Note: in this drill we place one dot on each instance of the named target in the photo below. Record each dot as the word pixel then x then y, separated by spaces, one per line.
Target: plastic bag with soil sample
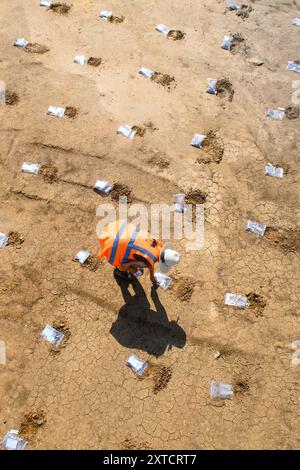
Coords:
pixel 45 3
pixel 198 140
pixel 161 28
pixel 294 66
pixel 255 227
pixel 163 281
pixel 231 5
pixel 137 365
pixel 31 168
pixel 212 83
pixel 126 131
pixel 102 187
pixel 179 205
pixel 296 22
pixel 105 14
pixel 227 41
pixel 52 335
pixel 56 111
pixel 13 442
pixel 3 239
pixel 80 59
pixel 148 73
pixel 220 390
pixel 21 43
pixel 82 256
pixel 235 300
pixel 275 113
pixel 275 171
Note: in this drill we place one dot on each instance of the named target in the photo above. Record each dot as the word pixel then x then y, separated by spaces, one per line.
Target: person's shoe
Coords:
pixel 124 275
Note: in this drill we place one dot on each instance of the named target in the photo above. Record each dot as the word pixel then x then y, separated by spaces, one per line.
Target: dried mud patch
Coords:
pixel 291 112
pixel 49 173
pixel 11 98
pixel 35 48
pixel 176 34
pixel 71 112
pixel 15 239
pixel 163 79
pixel 116 19
pixel 120 189
pixel 256 304
pixel 286 240
pixel 30 424
pixel 224 88
pixel 133 444
pixel 60 8
pixel 94 61
pixel 213 147
pixel 61 325
pixel 183 288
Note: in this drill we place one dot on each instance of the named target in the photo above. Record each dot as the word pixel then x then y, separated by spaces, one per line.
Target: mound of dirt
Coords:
pixel 241 386
pixel 31 423
pixel 175 34
pixel 213 146
pixel 161 377
pixel 238 45
pixel 15 239
pixel 291 112
pixel 61 8
pixel 184 288
pixel 94 61
pixel 140 131
pixel 286 240
pixel 195 196
pixel 224 87
pixel 35 48
pixel 150 126
pixel 120 189
pixel 132 444
pixel 156 160
pixel 11 98
pixel 116 19
pixel 71 112
pixel 256 304
pixel 244 11
pixel 92 263
pixel 163 79
pixel 49 173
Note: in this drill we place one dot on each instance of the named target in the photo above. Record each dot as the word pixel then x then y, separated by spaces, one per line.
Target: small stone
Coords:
pixel 255 61
pixel 217 355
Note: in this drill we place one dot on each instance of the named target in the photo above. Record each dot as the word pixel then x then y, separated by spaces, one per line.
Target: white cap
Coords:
pixel 168 258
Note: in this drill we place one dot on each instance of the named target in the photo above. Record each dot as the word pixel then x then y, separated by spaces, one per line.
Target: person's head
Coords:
pixel 168 259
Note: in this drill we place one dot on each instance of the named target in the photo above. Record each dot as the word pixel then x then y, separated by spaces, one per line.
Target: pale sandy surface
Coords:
pixel 90 399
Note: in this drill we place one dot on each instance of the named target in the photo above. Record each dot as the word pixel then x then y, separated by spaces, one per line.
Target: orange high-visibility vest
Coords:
pixel 120 241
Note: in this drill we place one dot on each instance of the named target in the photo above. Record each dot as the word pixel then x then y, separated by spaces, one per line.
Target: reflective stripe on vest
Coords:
pixel 116 243
pixel 132 246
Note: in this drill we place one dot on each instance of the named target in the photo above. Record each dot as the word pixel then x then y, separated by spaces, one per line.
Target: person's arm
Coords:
pixel 152 278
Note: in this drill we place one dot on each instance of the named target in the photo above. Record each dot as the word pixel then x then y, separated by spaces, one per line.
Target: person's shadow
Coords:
pixel 139 327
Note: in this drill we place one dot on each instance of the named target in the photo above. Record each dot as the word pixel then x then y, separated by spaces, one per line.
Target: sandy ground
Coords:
pixel 84 396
